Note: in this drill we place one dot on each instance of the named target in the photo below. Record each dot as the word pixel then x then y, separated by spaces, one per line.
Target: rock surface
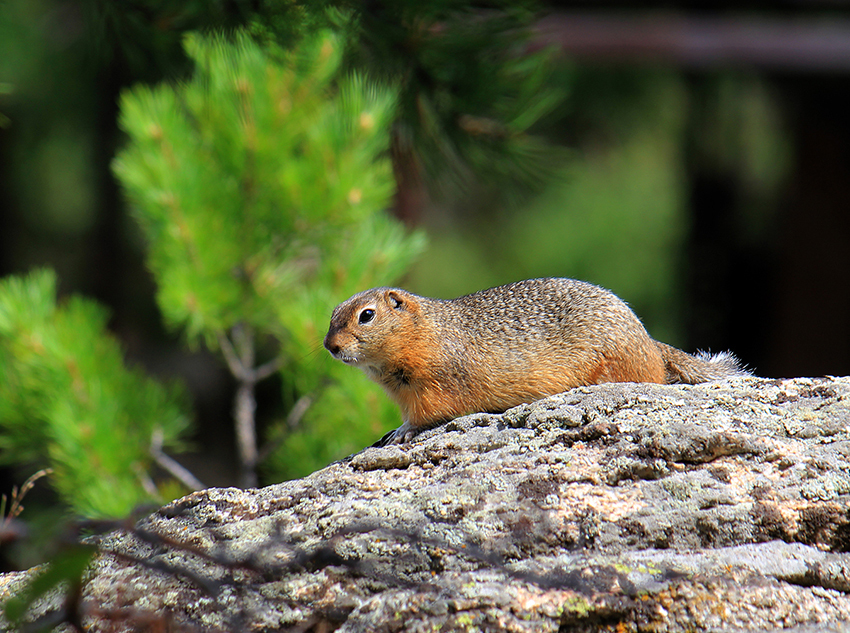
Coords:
pixel 621 507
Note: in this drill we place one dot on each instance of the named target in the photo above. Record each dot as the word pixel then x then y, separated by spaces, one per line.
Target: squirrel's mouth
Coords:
pixel 346 358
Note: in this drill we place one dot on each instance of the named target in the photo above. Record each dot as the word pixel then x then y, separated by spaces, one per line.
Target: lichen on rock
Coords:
pixel 619 507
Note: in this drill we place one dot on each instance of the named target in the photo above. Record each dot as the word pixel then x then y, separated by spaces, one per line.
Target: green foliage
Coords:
pixel 472 89
pixel 67 400
pixel 4 89
pixel 261 186
pixel 286 22
pixel 249 181
pixel 616 218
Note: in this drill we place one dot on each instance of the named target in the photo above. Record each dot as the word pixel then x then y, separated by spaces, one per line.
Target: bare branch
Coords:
pixel 293 419
pixel 233 363
pixel 170 465
pixel 264 371
pixel 18 495
pixel 146 481
pixel 246 434
pixel 298 410
pixel 243 341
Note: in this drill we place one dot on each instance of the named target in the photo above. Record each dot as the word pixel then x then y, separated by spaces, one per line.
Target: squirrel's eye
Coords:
pixel 366 315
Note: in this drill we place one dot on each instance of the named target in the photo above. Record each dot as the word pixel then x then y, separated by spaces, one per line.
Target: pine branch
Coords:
pixel 262 185
pixel 240 357
pixel 264 371
pixel 170 465
pixel 234 364
pixel 246 434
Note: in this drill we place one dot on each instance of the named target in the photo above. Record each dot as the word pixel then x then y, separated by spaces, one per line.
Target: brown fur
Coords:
pixel 501 347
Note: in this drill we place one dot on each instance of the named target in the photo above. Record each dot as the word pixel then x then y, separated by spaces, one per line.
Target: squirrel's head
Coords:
pixel 363 328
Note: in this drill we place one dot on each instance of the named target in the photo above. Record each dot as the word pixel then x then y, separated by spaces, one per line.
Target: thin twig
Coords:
pixel 147 482
pixel 18 495
pixel 170 465
pixel 245 406
pixel 237 366
pixel 246 434
pixel 293 419
pixel 231 358
pixel 240 355
pixel 243 341
pixel 264 371
pixel 296 413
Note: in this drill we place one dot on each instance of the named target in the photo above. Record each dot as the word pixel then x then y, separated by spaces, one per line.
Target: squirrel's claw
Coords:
pixel 401 435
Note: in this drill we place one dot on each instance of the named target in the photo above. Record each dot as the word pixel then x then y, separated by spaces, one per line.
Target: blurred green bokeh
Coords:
pixel 618 214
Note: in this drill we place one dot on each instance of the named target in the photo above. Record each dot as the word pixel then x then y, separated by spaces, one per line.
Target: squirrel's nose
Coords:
pixel 332 347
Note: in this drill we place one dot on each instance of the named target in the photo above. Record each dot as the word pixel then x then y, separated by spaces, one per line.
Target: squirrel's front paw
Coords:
pixel 402 434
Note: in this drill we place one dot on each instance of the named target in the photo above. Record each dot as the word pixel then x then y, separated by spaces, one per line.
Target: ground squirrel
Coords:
pixel 501 347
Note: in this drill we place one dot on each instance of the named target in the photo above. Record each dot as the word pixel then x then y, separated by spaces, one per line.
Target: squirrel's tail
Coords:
pixel 682 367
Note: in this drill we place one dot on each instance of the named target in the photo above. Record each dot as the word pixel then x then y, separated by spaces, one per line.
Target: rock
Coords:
pixel 620 507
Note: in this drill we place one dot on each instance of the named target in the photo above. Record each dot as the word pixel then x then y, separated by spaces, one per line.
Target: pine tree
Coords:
pixel 472 87
pixel 261 185
pixel 68 401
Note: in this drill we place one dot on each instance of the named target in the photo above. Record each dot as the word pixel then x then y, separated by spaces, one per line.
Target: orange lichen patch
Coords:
pixel 550 602
pixel 584 460
pixel 611 504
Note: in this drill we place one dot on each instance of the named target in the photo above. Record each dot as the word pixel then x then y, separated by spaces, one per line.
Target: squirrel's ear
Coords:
pixel 395 299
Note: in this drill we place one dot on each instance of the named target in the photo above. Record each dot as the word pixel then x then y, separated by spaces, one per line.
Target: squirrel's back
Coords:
pixel 497 348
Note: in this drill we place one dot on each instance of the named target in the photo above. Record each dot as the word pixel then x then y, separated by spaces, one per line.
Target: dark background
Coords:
pixel 761 270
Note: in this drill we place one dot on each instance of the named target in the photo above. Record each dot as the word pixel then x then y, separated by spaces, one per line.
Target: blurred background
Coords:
pixel 697 163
